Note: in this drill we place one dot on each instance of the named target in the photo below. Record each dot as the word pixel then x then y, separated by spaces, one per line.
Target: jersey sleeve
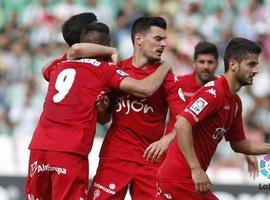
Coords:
pixel 203 104
pixel 175 98
pixel 52 67
pixel 112 75
pixel 236 133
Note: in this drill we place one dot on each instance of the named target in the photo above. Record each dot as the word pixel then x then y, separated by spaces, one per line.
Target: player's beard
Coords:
pixel 244 80
pixel 205 78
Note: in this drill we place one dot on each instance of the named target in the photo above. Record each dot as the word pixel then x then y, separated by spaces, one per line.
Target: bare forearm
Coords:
pixel 89 50
pixel 147 86
pixel 185 142
pixel 251 147
pixel 170 136
pixel 153 82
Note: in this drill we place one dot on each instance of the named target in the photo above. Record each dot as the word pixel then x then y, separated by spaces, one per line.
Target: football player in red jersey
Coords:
pixel 213 112
pixel 137 122
pixel 205 65
pixel 58 165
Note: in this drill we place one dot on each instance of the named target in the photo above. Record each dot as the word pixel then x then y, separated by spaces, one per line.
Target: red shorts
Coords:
pixel 56 175
pixel 183 191
pixel 114 176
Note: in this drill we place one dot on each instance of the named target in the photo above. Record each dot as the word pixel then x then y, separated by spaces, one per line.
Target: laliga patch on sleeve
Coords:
pixel 122 73
pixel 198 106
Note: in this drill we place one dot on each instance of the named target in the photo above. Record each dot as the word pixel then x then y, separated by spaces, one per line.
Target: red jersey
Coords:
pixel 138 122
pixel 68 120
pixel 52 66
pixel 189 86
pixel 213 113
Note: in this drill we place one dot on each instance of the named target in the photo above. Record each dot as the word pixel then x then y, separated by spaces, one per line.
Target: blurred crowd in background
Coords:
pixel 30 36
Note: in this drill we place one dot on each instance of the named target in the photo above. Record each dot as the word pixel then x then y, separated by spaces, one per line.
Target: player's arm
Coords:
pixel 155 150
pixel 176 102
pixel 250 147
pixel 185 141
pixel 147 86
pixel 92 50
pixel 102 103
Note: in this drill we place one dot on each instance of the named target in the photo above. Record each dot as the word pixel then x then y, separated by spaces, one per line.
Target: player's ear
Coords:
pixel 233 65
pixel 138 38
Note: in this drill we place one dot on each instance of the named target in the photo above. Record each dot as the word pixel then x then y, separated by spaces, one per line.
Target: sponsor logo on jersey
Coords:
pixel 38 168
pixel 109 190
pixel 198 106
pixel 121 72
pixel 212 91
pixel 209 84
pixel 181 94
pixel 219 132
pixel 124 103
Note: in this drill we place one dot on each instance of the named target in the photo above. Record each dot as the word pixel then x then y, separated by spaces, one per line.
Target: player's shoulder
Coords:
pixel 186 77
pixel 171 77
pixel 125 63
pixel 214 88
pixel 187 80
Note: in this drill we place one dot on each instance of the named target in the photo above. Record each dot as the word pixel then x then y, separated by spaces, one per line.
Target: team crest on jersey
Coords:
pixel 219 133
pixel 198 106
pixel 121 72
pixel 181 94
pixel 209 84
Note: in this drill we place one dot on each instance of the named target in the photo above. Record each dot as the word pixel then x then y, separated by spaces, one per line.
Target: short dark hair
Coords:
pixel 205 47
pixel 71 29
pixel 143 24
pixel 97 33
pixel 238 48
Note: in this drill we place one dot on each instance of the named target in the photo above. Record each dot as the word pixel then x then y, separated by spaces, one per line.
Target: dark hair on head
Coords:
pixel 238 48
pixel 97 33
pixel 143 24
pixel 72 28
pixel 205 47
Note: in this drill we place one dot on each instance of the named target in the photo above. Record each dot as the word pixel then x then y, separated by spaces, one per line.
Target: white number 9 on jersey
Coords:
pixel 63 84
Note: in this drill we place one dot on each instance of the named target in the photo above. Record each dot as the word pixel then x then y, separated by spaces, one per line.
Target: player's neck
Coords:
pixel 198 80
pixel 233 84
pixel 139 61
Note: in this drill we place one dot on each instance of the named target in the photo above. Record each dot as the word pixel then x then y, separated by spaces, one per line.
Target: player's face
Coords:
pixel 205 66
pixel 248 68
pixel 153 43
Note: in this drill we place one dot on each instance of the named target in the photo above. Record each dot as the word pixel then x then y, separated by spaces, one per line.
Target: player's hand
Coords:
pixel 253 168
pixel 201 181
pixel 155 150
pixel 115 56
pixel 102 102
